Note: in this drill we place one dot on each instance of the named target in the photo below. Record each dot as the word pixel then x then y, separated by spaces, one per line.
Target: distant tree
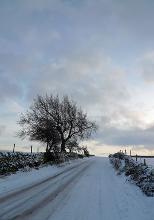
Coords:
pixel 72 145
pixel 83 150
pixel 57 121
pixel 86 152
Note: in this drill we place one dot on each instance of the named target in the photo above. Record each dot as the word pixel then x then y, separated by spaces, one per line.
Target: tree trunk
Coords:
pixel 63 146
pixel 47 147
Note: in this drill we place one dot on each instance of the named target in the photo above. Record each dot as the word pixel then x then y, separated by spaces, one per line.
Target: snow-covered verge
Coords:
pixel 139 173
pixel 21 179
pixel 19 161
pixel 13 162
pixel 88 191
pixel 149 161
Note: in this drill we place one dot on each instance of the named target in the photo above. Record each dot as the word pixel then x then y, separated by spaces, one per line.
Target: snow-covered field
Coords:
pixel 83 190
pixel 149 161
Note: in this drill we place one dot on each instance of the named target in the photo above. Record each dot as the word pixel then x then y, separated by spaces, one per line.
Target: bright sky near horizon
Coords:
pixel 100 52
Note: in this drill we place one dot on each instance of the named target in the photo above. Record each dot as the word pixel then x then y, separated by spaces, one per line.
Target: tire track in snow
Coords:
pixel 21 200
pixel 16 209
pixel 24 189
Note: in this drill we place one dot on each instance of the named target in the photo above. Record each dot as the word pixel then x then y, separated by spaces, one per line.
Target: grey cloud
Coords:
pixel 90 77
pixel 2 129
pixel 9 88
pixel 69 47
pixel 146 66
pixel 126 137
pixel 118 24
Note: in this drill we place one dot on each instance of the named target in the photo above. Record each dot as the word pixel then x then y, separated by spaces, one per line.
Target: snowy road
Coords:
pixel 86 191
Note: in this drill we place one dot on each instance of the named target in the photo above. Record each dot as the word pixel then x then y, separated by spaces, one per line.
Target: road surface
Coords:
pixel 89 190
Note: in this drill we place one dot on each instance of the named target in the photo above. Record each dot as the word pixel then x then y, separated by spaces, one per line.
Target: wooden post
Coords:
pixel 130 153
pixel 136 157
pixel 144 162
pixel 125 151
pixel 31 148
pixel 13 148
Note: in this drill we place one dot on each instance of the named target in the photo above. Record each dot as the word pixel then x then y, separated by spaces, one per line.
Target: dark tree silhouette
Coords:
pixel 53 120
pixel 37 125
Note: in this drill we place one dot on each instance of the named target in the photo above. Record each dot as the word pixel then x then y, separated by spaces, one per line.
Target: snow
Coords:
pixel 149 161
pixel 89 191
pixel 103 195
pixel 22 179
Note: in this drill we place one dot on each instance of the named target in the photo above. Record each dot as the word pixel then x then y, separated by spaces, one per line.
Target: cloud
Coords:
pixel 84 49
pixel 88 75
pixel 146 66
pixel 2 129
pixel 113 136
pixel 9 88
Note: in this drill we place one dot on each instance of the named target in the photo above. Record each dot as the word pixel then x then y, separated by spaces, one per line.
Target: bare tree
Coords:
pixel 62 120
pixel 37 125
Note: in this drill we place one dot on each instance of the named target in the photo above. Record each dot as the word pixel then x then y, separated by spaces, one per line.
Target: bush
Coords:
pixel 55 157
pixel 12 162
pixel 138 172
pixel 119 155
pixel 48 157
pixel 80 156
pixel 148 189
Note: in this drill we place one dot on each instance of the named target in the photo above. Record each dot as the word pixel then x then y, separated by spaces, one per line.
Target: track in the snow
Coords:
pixel 24 203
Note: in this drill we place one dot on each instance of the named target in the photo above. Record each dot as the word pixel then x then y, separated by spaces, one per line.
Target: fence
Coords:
pixel 15 148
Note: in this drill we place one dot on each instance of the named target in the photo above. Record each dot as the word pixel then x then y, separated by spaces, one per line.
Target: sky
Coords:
pixel 100 53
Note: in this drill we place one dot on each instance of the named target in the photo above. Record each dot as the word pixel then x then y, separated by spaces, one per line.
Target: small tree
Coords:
pixel 62 121
pixel 72 145
pixel 86 152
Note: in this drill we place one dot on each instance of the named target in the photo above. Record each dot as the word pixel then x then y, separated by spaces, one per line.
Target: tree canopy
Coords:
pixel 55 121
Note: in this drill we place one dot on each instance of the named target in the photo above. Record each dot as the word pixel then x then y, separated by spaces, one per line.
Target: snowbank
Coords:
pixel 139 173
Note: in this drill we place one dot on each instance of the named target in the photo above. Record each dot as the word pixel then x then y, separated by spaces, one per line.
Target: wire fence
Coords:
pixel 18 148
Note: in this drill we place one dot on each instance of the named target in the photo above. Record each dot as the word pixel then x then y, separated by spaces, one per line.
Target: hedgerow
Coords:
pixel 139 173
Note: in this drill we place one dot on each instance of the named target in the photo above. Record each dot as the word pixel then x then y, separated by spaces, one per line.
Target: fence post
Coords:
pixel 130 153
pixel 125 151
pixel 13 148
pixel 31 148
pixel 144 162
pixel 136 157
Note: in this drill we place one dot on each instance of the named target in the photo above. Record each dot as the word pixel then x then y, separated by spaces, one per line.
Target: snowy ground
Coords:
pixel 87 190
pixel 22 179
pixel 149 161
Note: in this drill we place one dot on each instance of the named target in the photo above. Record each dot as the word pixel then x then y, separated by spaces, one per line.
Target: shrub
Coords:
pixel 12 162
pixel 138 172
pixel 119 155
